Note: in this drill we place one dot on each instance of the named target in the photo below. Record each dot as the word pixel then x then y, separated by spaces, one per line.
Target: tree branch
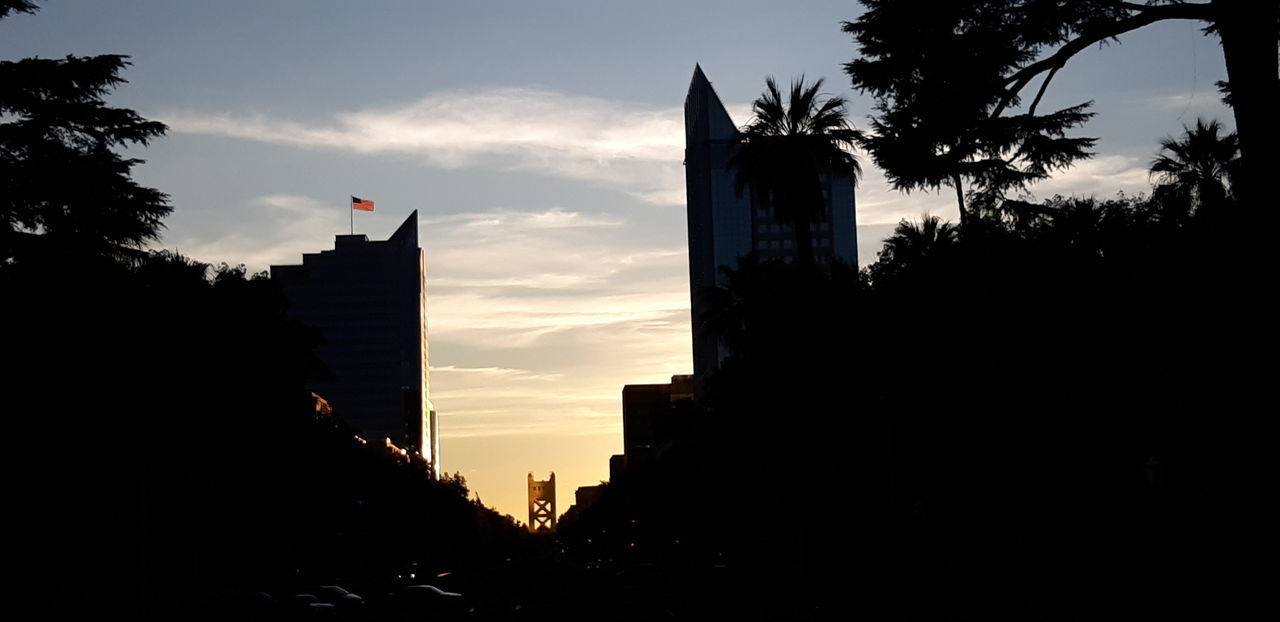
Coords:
pixel 956 181
pixel 1043 86
pixel 1133 6
pixel 1146 15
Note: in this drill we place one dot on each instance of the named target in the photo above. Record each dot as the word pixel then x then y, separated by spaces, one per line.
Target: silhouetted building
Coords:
pixel 724 226
pixel 587 496
pixel 651 417
pixel 369 299
pixel 542 504
pixel 617 467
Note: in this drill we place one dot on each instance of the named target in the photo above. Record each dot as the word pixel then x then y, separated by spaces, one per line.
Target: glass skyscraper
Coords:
pixel 724 226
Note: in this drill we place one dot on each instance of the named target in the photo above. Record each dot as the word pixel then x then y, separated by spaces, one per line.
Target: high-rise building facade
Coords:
pixel 369 299
pixel 651 416
pixel 724 226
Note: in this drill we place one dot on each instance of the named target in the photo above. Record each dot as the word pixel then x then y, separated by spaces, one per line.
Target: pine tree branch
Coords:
pixel 1146 15
pixel 1043 87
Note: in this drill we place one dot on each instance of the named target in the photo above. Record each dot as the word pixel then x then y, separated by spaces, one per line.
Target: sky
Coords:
pixel 541 143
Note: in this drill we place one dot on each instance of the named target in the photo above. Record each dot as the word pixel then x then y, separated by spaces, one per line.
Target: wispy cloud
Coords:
pixel 506 372
pixel 508 279
pixel 554 218
pixel 1186 104
pixel 285 227
pixel 1100 176
pixel 537 318
pixel 631 146
pixel 1103 175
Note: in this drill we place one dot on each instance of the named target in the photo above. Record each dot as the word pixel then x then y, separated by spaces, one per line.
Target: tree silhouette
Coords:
pixel 785 148
pixel 753 303
pixel 1199 166
pixel 934 76
pixel 65 189
pixel 914 247
pixel 911 241
pixel 944 75
pixel 16 6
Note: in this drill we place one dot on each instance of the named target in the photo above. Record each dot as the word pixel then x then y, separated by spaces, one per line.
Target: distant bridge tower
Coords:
pixel 542 504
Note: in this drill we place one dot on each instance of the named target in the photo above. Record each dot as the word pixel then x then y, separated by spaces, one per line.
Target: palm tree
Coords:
pixel 785 148
pixel 913 242
pixel 1199 165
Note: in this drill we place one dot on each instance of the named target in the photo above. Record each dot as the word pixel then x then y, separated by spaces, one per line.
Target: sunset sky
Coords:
pixel 541 143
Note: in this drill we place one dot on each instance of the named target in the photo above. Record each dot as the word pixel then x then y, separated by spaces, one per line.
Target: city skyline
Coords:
pixel 549 181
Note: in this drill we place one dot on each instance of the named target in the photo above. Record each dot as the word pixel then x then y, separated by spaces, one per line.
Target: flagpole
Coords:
pixel 351 208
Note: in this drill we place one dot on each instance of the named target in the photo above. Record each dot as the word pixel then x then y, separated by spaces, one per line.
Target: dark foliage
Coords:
pixel 1197 169
pixel 170 453
pixel 161 449
pixel 938 75
pixel 945 75
pixel 16 6
pixel 787 146
pixel 61 178
pixel 1044 418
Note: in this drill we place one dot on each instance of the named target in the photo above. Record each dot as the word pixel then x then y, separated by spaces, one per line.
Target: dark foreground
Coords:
pixel 551 588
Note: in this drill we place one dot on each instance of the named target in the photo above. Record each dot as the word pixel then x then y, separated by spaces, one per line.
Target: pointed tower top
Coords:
pixel 704 113
pixel 407 232
pixel 699 80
